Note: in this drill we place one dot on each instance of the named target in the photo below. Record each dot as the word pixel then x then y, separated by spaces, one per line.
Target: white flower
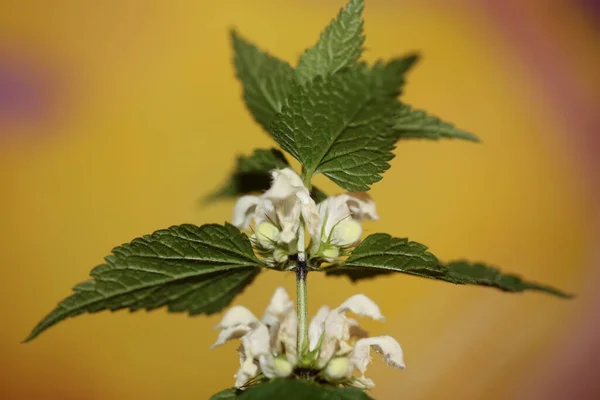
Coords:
pixel 338 355
pixel 268 346
pixel 337 345
pixel 276 214
pixel 339 225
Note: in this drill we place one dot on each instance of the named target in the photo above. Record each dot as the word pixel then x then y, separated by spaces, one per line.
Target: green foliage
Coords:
pixel 390 76
pixel 252 173
pixel 289 389
pixel 341 126
pixel 381 254
pixel 340 45
pixel 266 79
pixel 186 268
pixel 417 124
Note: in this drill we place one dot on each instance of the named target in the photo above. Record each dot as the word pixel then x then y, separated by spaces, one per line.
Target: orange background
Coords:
pixel 144 117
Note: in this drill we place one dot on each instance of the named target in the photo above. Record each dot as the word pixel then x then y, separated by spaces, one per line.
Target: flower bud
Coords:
pixel 280 255
pixel 338 368
pixel 267 235
pixel 346 233
pixel 283 368
pixel 331 254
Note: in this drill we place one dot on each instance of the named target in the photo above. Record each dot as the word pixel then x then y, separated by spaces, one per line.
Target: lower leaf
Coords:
pixel 292 389
pixel 185 268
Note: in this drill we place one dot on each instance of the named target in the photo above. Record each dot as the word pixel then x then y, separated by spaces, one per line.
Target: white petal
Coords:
pixel 275 367
pixel 336 330
pixel 256 342
pixel 316 327
pixel 279 306
pixel 285 183
pixel 361 305
pixel 346 233
pixel 363 383
pixel 387 346
pixel 362 206
pixel 237 315
pixel 287 337
pixel 233 332
pixel 247 371
pixel 243 211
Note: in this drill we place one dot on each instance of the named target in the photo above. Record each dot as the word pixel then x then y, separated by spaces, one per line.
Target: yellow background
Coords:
pixel 150 118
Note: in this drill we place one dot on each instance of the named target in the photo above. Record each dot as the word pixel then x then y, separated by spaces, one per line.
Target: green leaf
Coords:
pixel 298 389
pixel 252 173
pixel 341 127
pixel 417 124
pixel 186 268
pixel 266 79
pixel 340 45
pixel 390 76
pixel 227 394
pixel 381 254
pixel 464 272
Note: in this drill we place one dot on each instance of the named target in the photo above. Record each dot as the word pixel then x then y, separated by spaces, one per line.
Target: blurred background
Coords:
pixel 117 116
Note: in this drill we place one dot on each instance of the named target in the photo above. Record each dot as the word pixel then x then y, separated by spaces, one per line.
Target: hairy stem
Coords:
pixel 302 292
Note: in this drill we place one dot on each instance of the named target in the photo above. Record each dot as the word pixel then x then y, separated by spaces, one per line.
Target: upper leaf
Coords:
pixel 252 173
pixel 417 124
pixel 185 267
pixel 292 389
pixel 266 79
pixel 382 254
pixel 340 45
pixel 390 76
pixel 341 126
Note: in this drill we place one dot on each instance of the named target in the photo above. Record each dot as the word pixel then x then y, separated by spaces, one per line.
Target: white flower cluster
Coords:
pixel 276 215
pixel 337 345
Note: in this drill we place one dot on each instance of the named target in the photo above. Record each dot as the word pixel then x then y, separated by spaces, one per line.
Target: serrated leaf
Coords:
pixel 188 268
pixel 341 127
pixel 298 389
pixel 252 173
pixel 390 76
pixel 381 254
pixel 266 80
pixel 340 45
pixel 418 124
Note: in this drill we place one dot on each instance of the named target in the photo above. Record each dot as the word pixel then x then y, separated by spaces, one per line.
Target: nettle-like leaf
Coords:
pixel 292 389
pixel 341 126
pixel 418 124
pixel 389 76
pixel 186 268
pixel 253 174
pixel 266 79
pixel 381 254
pixel 340 45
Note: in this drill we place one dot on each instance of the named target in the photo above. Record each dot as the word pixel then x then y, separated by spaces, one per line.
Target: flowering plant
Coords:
pixel 339 117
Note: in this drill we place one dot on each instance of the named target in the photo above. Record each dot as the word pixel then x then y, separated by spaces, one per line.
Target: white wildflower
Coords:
pixel 276 214
pixel 339 226
pixel 337 346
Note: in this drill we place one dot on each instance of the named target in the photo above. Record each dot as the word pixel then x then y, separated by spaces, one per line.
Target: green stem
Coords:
pixel 302 292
